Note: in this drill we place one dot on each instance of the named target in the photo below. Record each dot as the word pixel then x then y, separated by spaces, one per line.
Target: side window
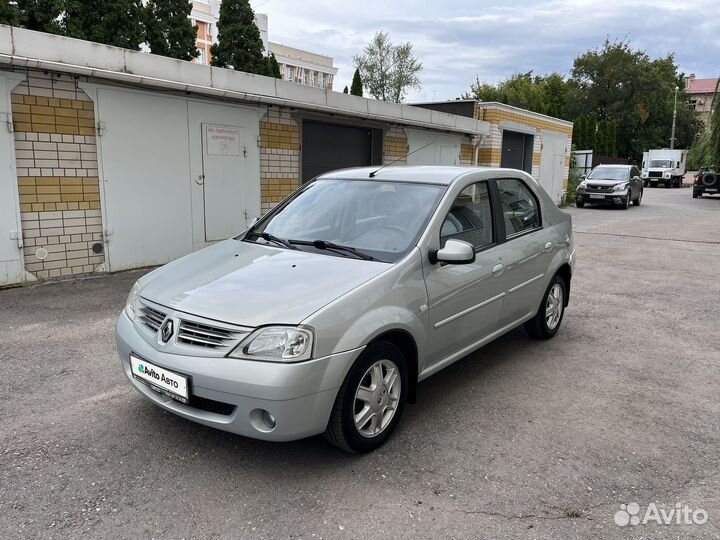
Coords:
pixel 520 208
pixel 470 218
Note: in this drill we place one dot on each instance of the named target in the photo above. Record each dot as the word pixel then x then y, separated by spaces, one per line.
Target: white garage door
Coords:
pixel 552 164
pixel 144 151
pixel 433 148
pixel 11 266
pixel 178 174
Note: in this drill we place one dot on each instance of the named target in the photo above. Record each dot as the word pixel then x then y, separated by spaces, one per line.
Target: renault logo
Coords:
pixel 166 330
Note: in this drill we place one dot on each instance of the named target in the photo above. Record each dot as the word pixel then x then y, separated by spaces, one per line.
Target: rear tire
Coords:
pixel 369 391
pixel 695 195
pixel 548 318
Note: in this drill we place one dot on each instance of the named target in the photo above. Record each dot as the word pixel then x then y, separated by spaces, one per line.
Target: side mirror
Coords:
pixel 583 176
pixel 636 178
pixel 455 252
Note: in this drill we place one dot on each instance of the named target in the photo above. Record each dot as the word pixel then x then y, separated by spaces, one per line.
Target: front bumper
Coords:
pixel 299 396
pixel 616 198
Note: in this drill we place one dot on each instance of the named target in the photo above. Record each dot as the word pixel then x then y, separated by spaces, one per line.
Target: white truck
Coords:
pixel 666 167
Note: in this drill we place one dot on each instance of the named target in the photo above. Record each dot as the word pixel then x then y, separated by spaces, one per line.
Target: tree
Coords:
pixel 345 90
pixel 624 85
pixel 112 22
pixel 356 88
pixel 169 31
pixel 543 94
pixel 9 13
pixel 239 44
pixel 273 68
pixel 388 71
pixel 40 15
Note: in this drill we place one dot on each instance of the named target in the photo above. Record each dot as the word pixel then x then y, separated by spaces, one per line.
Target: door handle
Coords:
pixel 200 180
pixel 497 269
pixel 548 246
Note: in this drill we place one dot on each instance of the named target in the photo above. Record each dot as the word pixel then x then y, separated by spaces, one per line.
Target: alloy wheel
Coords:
pixel 554 307
pixel 376 398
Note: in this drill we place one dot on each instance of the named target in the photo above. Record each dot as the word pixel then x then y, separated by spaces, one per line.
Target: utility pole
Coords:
pixel 672 135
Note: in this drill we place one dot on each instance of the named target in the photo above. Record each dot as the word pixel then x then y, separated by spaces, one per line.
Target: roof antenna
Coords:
pixel 372 174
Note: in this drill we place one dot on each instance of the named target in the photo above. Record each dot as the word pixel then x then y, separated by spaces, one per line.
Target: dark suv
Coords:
pixel 617 185
pixel 706 181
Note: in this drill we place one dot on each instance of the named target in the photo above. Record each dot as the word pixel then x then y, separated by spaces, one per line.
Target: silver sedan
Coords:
pixel 324 315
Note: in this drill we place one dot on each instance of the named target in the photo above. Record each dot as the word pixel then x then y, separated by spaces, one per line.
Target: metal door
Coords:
pixel 143 150
pixel 552 164
pixel 517 150
pixel 224 179
pixel 326 147
pixel 11 264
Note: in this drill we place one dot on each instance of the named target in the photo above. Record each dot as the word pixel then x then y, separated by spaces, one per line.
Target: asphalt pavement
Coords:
pixel 522 439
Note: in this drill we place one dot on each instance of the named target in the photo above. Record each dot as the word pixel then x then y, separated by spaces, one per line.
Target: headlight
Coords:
pixel 276 344
pixel 644 175
pixel 582 185
pixel 131 301
pixel 667 175
pixel 620 187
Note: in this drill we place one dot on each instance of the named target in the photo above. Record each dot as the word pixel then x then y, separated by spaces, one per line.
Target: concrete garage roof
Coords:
pixel 29 49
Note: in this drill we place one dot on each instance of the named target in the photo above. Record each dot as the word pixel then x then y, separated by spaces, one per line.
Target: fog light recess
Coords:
pixel 262 420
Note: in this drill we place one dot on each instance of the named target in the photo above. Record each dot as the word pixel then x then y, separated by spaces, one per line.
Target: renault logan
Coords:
pixel 324 315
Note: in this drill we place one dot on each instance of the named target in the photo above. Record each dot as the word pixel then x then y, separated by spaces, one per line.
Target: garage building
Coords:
pixel 115 159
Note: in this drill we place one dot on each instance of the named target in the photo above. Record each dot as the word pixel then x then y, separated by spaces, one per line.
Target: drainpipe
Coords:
pixel 477 141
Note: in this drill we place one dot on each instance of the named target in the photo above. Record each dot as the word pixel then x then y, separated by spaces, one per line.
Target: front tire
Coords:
pixel 580 203
pixel 370 401
pixel 548 318
pixel 637 201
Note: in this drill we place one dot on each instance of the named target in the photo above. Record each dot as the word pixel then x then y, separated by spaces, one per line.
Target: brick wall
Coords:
pixel 395 146
pixel 56 161
pixel 279 157
pixel 491 150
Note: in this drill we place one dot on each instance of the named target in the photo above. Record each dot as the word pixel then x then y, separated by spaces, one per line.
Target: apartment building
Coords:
pixel 701 93
pixel 296 65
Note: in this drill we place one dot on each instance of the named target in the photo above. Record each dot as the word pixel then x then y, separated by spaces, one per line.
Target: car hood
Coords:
pixel 602 182
pixel 251 284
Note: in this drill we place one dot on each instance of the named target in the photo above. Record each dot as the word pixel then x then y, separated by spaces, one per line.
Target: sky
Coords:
pixel 459 40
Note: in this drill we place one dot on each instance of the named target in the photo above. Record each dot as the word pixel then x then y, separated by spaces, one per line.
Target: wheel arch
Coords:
pixel 565 272
pixel 406 343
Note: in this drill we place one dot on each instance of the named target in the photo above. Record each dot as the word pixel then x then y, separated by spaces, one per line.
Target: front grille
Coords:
pixel 203 335
pixel 152 318
pixel 655 174
pixel 599 187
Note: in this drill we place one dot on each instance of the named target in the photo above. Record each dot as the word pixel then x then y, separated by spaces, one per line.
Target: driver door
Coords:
pixel 465 300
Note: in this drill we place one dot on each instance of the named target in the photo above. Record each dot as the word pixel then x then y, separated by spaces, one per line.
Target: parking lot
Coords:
pixel 522 439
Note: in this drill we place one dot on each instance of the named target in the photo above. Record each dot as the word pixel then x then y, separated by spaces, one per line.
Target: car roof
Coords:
pixel 422 174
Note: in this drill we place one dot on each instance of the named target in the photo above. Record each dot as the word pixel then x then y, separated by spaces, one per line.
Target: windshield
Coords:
pixel 378 219
pixel 661 163
pixel 609 173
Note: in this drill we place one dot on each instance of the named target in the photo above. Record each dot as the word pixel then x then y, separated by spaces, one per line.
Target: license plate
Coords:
pixel 710 189
pixel 597 196
pixel 160 379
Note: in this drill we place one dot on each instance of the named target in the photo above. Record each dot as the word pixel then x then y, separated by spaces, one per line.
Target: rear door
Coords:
pixel 526 253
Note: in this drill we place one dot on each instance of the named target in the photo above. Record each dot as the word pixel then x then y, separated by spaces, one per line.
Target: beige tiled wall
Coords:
pixel 56 161
pixel 279 157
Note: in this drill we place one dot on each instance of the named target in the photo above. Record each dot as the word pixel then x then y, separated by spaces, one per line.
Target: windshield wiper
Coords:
pixel 330 246
pixel 272 238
